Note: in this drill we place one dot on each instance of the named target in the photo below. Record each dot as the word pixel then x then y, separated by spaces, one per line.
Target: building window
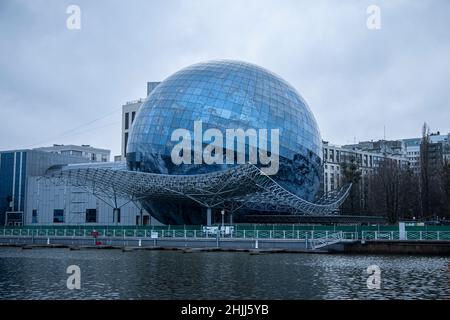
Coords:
pixel 58 216
pixel 126 141
pixel 116 215
pixel 133 114
pixel 91 215
pixel 127 119
pixel 34 216
pixel 93 157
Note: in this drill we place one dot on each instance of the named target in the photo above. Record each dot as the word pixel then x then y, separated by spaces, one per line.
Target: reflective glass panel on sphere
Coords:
pixel 224 95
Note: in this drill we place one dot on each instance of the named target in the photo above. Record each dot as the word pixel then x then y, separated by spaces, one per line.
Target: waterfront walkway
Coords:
pixel 247 237
pixel 298 232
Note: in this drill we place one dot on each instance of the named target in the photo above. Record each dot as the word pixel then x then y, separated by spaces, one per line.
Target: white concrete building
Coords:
pixel 334 156
pixel 129 111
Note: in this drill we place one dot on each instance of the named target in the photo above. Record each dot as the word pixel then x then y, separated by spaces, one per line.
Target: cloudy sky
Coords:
pixel 67 86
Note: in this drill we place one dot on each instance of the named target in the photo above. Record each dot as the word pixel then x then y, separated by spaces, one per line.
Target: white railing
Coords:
pixel 330 238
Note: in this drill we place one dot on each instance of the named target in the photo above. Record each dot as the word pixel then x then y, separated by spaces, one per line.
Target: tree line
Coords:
pixel 398 191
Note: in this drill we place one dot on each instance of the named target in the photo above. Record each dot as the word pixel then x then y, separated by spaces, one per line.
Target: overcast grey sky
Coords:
pixel 55 82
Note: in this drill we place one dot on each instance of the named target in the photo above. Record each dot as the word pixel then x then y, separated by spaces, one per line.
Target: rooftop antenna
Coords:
pixel 384 132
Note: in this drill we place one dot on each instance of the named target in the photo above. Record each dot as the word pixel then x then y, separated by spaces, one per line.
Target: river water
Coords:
pixel 113 274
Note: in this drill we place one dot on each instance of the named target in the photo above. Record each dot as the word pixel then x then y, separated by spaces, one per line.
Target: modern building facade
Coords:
pixel 27 196
pixel 52 203
pixel 16 167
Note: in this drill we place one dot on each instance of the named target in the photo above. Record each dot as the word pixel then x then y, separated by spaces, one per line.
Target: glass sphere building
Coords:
pixel 224 95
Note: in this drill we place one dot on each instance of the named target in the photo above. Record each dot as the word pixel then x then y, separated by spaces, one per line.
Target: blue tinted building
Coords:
pixel 12 183
pixel 224 95
pixel 16 167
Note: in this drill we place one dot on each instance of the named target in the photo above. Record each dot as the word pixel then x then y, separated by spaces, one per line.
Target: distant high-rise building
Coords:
pixel 412 147
pixel 151 86
pixel 439 149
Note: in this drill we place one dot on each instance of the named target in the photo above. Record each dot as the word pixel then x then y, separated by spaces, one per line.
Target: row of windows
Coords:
pixel 58 216
pixel 127 119
pixel 364 160
pixel 91 217
pixel 127 126
pixel 89 155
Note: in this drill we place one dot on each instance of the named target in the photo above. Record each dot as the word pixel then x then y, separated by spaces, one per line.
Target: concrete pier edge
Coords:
pixel 261 246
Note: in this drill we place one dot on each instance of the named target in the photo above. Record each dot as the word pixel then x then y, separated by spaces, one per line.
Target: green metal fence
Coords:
pixel 294 233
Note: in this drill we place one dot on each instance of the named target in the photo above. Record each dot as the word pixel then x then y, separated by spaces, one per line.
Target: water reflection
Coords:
pixel 112 274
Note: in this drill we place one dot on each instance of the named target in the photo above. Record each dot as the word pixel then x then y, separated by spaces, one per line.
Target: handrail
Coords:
pixel 310 235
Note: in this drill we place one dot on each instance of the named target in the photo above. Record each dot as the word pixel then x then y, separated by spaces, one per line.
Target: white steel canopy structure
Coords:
pixel 240 187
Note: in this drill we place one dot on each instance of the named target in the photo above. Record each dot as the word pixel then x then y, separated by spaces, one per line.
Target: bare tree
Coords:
pixel 424 185
pixel 352 174
pixel 446 186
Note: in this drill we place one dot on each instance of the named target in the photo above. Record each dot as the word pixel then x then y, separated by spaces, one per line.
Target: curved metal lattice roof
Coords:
pixel 244 186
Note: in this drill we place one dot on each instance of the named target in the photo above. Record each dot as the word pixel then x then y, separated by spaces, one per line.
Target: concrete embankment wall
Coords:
pixel 428 247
